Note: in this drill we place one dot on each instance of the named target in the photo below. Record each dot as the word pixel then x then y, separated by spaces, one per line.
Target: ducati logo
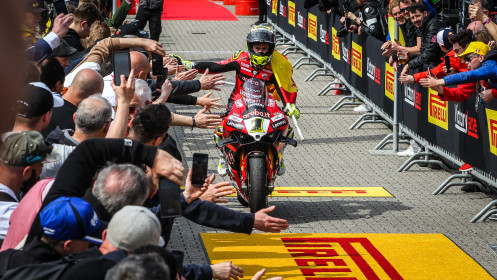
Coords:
pixel 264 76
pixel 255 72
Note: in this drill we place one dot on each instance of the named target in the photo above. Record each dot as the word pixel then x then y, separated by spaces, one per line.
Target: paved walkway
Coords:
pixel 331 156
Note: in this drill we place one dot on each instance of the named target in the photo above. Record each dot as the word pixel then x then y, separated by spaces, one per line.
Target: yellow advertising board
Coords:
pixel 389 81
pixel 335 44
pixel 274 6
pixel 492 129
pixel 291 13
pixel 438 110
pixel 312 31
pixel 356 59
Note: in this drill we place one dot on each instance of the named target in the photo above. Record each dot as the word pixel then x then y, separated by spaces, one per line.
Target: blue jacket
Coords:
pixel 487 71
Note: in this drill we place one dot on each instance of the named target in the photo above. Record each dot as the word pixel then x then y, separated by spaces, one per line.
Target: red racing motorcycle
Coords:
pixel 255 134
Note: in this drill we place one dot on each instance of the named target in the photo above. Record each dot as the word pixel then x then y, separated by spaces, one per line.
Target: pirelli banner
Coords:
pixel 465 130
pixel 355 57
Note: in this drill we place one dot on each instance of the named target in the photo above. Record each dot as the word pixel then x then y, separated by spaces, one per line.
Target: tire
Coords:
pixel 257 183
pixel 241 200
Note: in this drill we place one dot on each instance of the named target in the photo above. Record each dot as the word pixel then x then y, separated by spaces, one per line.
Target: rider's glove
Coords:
pixel 292 110
pixel 188 64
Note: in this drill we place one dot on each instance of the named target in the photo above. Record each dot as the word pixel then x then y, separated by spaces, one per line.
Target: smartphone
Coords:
pixel 199 169
pixel 157 65
pixel 429 72
pixel 348 23
pixel 60 7
pixel 122 66
pixel 447 63
pixel 170 199
pixel 178 256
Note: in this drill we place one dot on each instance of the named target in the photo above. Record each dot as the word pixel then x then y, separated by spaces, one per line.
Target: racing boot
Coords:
pixel 281 170
pixel 222 167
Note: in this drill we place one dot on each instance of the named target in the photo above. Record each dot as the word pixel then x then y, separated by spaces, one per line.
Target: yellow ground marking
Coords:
pixel 326 256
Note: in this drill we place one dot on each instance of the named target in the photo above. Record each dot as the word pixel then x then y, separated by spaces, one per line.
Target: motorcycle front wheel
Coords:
pixel 257 183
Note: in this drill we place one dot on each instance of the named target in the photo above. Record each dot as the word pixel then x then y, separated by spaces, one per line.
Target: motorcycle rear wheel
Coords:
pixel 257 183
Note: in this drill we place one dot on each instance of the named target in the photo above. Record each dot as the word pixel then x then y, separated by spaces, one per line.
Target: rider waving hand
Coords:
pixel 262 62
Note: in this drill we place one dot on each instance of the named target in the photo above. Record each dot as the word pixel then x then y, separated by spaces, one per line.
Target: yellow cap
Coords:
pixel 475 47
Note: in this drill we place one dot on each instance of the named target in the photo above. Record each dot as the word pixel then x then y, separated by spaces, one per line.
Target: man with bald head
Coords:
pixel 140 66
pixel 86 83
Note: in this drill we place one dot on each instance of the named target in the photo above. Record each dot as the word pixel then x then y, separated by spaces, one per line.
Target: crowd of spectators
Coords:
pixel 81 157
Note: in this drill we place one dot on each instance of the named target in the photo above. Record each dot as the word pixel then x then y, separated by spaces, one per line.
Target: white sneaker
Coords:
pixel 222 167
pixel 407 153
pixel 363 108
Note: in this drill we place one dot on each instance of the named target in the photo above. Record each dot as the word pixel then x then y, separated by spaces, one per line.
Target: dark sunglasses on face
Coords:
pixel 469 57
pixel 403 11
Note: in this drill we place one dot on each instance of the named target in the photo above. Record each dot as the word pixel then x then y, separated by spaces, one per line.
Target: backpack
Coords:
pixel 42 271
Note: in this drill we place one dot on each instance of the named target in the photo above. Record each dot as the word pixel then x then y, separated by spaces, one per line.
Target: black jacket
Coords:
pixel 372 21
pixel 34 252
pixel 430 52
pixel 411 33
pixel 72 38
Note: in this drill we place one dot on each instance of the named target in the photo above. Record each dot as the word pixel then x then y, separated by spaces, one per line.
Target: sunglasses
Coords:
pixel 469 57
pixel 404 10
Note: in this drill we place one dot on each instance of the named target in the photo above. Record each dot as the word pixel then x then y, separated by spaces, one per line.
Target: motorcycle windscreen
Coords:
pixel 254 93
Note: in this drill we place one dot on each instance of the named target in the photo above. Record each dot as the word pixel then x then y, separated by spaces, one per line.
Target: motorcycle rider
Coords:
pixel 263 62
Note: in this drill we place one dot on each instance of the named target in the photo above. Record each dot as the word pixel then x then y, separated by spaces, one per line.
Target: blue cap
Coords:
pixel 70 218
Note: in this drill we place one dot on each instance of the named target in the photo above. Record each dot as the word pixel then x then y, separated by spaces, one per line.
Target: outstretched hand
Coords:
pixel 203 120
pixel 264 222
pixel 211 82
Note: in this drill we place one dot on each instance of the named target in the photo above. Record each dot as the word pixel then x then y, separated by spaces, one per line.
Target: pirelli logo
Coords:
pixel 291 13
pixel 274 7
pixel 339 258
pixel 312 31
pixel 492 129
pixel 356 59
pixel 438 110
pixel 335 44
pixel 389 81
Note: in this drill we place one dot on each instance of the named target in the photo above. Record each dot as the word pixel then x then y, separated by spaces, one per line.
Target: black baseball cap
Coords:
pixel 36 6
pixel 35 100
pixel 130 29
pixel 63 50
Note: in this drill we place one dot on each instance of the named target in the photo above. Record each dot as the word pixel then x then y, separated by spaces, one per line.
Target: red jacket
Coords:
pixel 463 92
pixel 438 71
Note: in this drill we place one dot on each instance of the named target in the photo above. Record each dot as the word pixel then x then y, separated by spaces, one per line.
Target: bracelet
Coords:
pixel 193 122
pixel 487 21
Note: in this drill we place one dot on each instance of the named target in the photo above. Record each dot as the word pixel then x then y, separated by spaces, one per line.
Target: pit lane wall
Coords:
pixel 462 132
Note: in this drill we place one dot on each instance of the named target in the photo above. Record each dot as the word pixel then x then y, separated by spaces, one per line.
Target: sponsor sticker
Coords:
pixel 239 103
pixel 235 118
pixel 373 72
pixel 277 117
pixel 300 20
pixel 274 7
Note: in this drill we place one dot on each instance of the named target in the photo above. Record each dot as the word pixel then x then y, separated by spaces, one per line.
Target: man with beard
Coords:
pixel 21 160
pixel 430 52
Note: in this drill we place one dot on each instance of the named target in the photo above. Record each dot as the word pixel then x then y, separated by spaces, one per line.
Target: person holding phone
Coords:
pixel 482 65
